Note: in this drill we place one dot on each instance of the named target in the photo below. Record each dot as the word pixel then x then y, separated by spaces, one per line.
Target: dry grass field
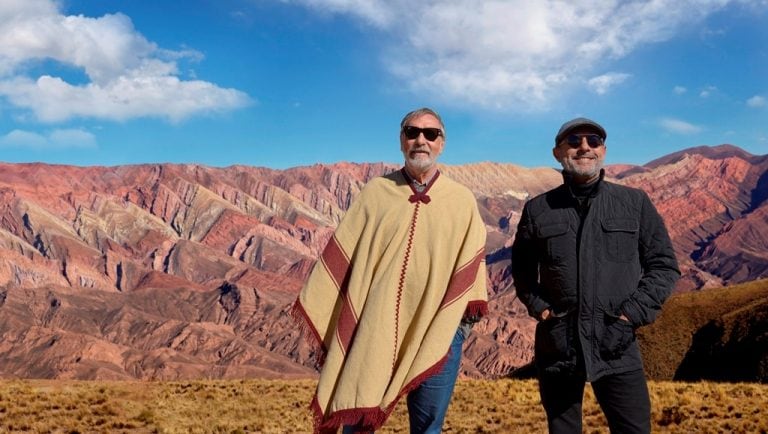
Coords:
pixel 263 406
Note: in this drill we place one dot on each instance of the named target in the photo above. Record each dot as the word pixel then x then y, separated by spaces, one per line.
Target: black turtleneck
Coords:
pixel 583 193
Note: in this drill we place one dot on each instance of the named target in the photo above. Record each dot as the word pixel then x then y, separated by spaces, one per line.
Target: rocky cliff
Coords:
pixel 186 271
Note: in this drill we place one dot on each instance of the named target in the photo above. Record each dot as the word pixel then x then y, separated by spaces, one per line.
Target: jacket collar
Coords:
pixel 593 187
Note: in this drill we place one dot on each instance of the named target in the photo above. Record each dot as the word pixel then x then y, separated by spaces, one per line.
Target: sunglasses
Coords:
pixel 593 140
pixel 430 134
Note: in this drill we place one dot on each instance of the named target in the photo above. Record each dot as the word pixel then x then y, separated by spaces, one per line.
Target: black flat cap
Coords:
pixel 579 123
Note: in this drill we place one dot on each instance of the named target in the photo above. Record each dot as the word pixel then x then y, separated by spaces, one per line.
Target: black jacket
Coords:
pixel 589 264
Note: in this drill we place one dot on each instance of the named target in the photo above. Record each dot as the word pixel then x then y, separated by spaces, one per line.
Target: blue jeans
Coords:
pixel 428 403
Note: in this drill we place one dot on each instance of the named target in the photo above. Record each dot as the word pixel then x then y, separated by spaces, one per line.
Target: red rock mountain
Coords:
pixel 186 271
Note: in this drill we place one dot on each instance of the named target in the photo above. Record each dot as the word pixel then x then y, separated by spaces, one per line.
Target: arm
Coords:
pixel 660 271
pixel 525 268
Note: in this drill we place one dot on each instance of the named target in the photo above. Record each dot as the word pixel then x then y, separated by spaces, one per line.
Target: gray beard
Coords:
pixel 420 163
pixel 584 172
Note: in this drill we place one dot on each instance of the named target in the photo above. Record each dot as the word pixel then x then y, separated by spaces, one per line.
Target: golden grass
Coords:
pixel 267 406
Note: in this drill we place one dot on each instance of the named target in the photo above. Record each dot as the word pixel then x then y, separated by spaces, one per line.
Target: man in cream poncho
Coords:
pixel 393 295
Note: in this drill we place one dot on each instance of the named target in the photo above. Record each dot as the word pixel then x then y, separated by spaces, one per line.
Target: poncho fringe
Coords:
pixel 316 345
pixel 367 419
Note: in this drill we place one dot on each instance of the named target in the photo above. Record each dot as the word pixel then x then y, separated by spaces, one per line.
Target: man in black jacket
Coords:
pixel 592 262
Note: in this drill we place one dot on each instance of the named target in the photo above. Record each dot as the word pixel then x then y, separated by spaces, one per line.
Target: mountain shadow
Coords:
pixel 733 348
pixel 718 334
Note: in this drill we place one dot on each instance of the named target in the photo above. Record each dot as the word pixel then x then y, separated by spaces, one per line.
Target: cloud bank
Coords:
pixel 602 84
pixel 757 101
pixel 678 126
pixel 67 138
pixel 517 54
pixel 128 76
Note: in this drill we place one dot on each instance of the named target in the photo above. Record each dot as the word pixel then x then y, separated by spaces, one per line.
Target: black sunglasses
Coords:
pixel 430 134
pixel 593 140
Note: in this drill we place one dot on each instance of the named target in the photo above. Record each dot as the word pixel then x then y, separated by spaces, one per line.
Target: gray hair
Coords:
pixel 420 112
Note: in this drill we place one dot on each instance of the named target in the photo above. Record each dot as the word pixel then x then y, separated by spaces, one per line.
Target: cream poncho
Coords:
pixel 387 295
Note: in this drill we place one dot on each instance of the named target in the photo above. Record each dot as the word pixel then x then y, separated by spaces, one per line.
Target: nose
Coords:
pixel 584 145
pixel 420 139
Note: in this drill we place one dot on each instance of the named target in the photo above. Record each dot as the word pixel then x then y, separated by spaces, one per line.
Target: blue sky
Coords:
pixel 284 83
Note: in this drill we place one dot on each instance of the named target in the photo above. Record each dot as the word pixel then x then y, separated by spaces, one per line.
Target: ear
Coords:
pixel 556 153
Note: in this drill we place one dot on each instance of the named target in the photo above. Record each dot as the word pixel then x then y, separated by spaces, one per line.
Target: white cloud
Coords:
pixel 129 76
pixel 54 100
pixel 679 90
pixel 54 139
pixel 707 91
pixel 603 83
pixel 679 127
pixel 380 13
pixel 515 53
pixel 757 101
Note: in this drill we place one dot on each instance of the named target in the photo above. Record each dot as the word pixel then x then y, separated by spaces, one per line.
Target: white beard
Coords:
pixel 574 169
pixel 420 163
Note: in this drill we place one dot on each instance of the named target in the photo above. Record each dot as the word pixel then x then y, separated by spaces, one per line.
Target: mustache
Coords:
pixel 424 149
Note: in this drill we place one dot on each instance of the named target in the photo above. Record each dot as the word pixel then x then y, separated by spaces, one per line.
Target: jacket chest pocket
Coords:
pixel 620 239
pixel 555 239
